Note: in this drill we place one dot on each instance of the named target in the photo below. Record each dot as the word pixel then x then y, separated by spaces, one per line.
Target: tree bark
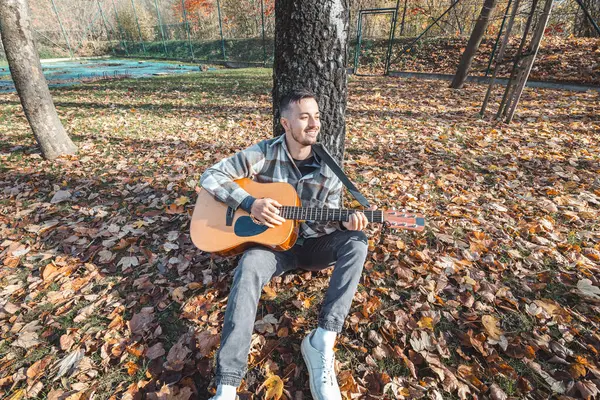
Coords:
pixel 26 71
pixel 473 44
pixel 310 53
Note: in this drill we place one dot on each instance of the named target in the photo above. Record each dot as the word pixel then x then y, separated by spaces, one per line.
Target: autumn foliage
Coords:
pixel 103 294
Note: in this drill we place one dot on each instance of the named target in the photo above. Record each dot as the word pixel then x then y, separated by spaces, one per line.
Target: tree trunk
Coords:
pixel 469 54
pixel 26 71
pixel 310 53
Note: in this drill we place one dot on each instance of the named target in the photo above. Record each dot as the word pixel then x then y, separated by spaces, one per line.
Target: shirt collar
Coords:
pixel 324 168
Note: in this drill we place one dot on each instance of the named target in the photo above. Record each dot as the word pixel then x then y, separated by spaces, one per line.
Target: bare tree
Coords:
pixel 26 70
pixel 473 44
pixel 310 52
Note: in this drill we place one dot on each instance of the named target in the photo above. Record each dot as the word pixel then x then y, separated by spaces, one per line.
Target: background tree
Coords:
pixel 26 71
pixel 473 44
pixel 310 52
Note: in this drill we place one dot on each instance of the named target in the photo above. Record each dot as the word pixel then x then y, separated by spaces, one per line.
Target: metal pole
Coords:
pixel 589 17
pixel 504 103
pixel 358 41
pixel 500 57
pixel 62 28
pixel 460 28
pixel 221 31
pixel 138 26
pixel 187 28
pixel 50 40
pixel 262 17
pixel 403 17
pixel 487 71
pixel 105 24
pixel 389 51
pixel 120 29
pixel 85 32
pixel 162 32
pixel 535 46
pixel 429 27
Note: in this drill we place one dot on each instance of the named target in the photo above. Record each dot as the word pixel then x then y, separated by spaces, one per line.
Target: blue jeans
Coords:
pixel 347 249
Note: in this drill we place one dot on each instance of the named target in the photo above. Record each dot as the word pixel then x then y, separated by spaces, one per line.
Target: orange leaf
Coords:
pixel 174 209
pixel 282 332
pixel 577 370
pixel 269 294
pixel 132 368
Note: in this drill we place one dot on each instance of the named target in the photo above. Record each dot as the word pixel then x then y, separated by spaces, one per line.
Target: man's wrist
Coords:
pixel 247 203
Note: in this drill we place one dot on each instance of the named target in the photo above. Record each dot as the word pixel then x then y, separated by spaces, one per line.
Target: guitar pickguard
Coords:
pixel 245 227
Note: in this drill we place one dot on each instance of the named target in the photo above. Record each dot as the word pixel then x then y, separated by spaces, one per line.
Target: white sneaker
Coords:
pixel 323 382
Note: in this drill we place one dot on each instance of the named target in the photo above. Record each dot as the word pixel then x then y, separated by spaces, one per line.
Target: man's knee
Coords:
pixel 356 243
pixel 256 265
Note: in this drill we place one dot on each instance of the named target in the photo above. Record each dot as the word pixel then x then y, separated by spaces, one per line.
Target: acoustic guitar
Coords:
pixel 217 228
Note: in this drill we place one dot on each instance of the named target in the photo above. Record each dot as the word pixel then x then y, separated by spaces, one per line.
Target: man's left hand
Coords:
pixel 358 221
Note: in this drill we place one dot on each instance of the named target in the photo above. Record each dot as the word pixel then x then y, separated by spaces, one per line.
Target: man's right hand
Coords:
pixel 266 211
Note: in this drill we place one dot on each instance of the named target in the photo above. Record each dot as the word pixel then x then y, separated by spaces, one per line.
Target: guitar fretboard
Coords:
pixel 327 214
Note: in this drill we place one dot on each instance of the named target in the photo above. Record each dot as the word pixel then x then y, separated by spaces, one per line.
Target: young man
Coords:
pixel 288 158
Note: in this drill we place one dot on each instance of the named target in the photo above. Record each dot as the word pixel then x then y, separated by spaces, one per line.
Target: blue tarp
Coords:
pixel 68 73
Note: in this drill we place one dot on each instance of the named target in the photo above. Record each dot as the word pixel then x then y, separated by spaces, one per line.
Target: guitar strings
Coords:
pixel 319 214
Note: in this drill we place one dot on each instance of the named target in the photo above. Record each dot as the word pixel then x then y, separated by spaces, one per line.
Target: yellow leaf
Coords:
pixel 426 323
pixel 274 386
pixel 182 200
pixel 470 281
pixel 17 395
pixel 490 323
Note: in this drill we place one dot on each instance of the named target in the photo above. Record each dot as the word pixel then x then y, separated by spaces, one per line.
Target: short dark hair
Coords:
pixel 294 97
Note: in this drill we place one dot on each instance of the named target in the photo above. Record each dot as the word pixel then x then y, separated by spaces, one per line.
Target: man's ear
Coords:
pixel 285 123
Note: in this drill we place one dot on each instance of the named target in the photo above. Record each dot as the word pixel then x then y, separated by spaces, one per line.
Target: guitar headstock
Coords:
pixel 404 220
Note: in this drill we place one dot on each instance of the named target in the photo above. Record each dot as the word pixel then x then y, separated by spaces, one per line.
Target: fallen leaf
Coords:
pixel 586 287
pixel 60 196
pixel 490 323
pixel 155 351
pixel 274 387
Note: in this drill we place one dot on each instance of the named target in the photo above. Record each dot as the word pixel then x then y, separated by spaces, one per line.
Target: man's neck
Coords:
pixel 297 151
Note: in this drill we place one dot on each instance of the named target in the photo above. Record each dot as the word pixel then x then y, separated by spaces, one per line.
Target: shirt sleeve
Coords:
pixel 247 203
pixel 219 179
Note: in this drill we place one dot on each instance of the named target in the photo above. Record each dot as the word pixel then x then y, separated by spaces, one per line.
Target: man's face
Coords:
pixel 301 122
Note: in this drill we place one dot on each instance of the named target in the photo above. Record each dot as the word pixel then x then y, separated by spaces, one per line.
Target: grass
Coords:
pixel 172 326
pixel 392 367
pixel 516 322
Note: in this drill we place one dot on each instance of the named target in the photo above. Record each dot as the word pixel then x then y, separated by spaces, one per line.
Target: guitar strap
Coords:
pixel 327 159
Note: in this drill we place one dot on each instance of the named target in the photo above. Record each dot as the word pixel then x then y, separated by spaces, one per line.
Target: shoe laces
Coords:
pixel 328 369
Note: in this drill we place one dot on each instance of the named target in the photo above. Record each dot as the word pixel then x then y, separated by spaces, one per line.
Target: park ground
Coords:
pixel 102 292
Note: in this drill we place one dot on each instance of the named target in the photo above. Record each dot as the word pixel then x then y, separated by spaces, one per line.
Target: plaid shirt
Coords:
pixel 270 161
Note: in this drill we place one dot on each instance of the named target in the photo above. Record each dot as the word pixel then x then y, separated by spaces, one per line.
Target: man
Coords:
pixel 288 158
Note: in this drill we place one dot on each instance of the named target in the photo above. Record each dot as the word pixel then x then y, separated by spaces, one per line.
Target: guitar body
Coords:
pixel 211 233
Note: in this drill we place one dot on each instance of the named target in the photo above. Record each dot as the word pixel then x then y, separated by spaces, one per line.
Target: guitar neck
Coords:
pixel 327 214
